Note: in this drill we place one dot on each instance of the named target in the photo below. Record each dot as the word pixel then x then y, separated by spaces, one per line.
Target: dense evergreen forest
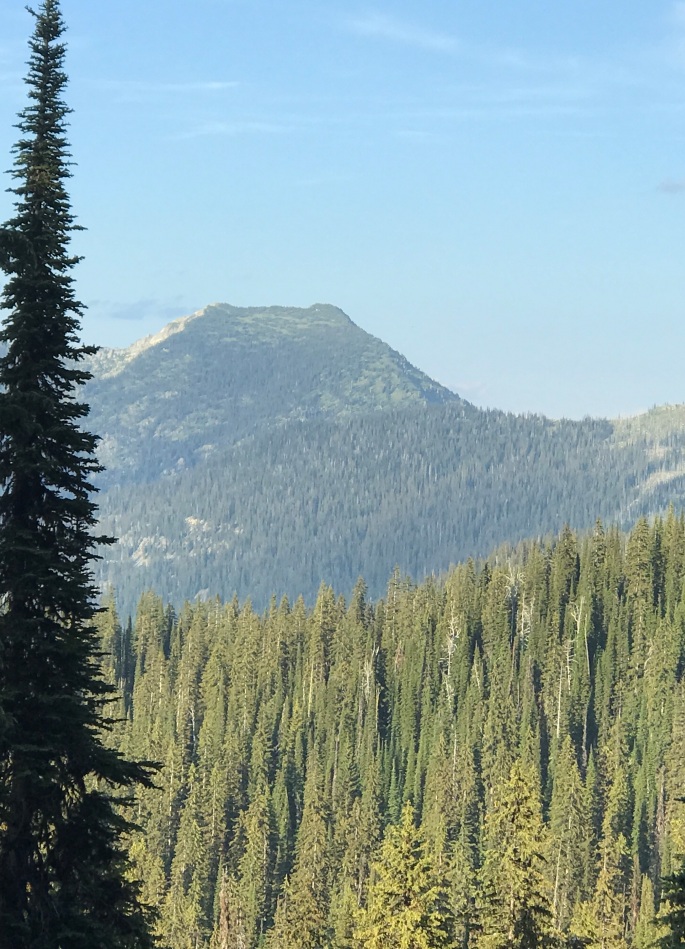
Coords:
pixel 491 760
pixel 420 487
pixel 263 450
pixel 499 753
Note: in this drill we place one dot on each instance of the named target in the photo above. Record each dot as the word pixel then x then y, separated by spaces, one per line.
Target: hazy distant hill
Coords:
pixel 264 450
pixel 208 380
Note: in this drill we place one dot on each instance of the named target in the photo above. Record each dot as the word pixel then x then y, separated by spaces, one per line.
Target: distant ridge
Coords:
pixel 263 450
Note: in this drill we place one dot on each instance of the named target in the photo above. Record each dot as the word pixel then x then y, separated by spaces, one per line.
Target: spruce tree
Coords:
pixel 302 920
pixel 515 897
pixel 408 905
pixel 63 874
pixel 673 910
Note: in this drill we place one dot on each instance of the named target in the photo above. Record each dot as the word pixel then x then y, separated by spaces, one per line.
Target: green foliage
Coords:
pixel 515 898
pixel 64 875
pixel 673 915
pixel 304 903
pixel 532 707
pixel 263 450
pixel 407 904
pixel 214 378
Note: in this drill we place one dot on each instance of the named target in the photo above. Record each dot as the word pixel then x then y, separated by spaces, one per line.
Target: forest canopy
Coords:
pixel 532 704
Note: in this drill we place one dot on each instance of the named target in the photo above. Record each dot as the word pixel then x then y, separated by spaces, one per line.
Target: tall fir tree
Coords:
pixel 302 919
pixel 673 910
pixel 408 902
pixel 515 899
pixel 63 872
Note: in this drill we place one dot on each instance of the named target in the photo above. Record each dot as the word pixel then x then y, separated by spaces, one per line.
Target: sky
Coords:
pixel 497 190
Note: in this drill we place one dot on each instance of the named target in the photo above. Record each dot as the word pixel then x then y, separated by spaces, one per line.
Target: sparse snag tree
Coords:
pixel 63 873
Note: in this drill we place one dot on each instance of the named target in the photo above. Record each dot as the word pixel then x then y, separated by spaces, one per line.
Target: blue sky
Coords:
pixel 495 189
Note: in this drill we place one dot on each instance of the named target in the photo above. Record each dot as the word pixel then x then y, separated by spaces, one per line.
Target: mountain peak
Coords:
pixel 217 317
pixel 218 375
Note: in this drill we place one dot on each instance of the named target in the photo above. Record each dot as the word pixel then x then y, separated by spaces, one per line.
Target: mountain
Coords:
pixel 209 380
pixel 265 450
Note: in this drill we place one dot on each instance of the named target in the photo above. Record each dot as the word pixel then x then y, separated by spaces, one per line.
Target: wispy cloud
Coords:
pixel 410 33
pixel 133 89
pixel 384 27
pixel 672 186
pixel 238 127
pixel 136 311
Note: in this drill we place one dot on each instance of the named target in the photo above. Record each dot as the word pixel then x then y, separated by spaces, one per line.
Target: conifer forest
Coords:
pixel 490 758
pixel 496 759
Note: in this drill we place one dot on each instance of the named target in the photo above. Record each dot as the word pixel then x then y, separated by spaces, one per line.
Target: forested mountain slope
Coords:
pixel 531 708
pixel 267 450
pixel 208 380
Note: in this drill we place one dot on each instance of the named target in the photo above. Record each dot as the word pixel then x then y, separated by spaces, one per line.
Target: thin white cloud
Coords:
pixel 136 311
pixel 381 26
pixel 140 89
pixel 236 128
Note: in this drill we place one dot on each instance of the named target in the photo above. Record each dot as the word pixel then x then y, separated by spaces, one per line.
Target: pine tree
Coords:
pixel 515 899
pixel 673 913
pixel 407 903
pixel 307 894
pixel 598 923
pixel 568 826
pixel 256 866
pixel 648 928
pixel 230 929
pixel 63 875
